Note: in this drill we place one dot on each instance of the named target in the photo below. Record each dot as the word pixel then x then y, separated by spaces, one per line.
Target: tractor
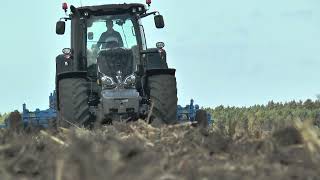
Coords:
pixel 109 74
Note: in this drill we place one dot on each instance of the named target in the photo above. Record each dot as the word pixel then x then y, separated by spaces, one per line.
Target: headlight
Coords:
pixel 130 81
pixel 108 82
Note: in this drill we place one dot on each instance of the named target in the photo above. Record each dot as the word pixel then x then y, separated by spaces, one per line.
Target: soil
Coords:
pixel 139 151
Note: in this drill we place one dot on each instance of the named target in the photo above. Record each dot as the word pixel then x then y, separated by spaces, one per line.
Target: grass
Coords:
pixel 258 120
pixel 3 117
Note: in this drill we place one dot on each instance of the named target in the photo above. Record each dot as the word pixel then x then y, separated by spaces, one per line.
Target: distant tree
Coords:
pixel 271 104
pixel 308 104
pixel 318 97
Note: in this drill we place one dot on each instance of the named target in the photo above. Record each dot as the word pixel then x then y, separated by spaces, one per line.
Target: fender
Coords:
pixel 153 72
pixel 156 59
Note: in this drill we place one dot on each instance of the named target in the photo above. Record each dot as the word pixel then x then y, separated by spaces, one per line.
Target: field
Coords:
pixel 277 141
pixel 2 118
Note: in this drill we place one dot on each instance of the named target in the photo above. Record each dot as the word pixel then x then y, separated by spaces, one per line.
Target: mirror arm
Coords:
pixel 148 14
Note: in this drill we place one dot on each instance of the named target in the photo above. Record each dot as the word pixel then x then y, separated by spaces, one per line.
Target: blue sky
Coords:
pixel 226 52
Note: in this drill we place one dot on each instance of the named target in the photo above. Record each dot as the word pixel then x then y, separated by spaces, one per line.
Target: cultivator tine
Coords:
pixel 150 113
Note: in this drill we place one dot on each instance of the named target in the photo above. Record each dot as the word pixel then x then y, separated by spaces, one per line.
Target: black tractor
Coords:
pixel 109 74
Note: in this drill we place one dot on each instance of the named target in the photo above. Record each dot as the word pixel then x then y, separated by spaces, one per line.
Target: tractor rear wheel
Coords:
pixel 73 103
pixel 163 96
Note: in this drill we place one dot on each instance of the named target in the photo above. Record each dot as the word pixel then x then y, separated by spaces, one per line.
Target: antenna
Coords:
pixel 80 3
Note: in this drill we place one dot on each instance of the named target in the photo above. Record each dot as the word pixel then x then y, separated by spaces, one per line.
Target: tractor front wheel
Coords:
pixel 163 96
pixel 73 103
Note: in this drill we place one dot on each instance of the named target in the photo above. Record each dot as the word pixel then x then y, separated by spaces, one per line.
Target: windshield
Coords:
pixel 108 32
pixel 105 29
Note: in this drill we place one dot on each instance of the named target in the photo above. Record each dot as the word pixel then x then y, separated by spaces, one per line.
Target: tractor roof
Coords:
pixel 111 8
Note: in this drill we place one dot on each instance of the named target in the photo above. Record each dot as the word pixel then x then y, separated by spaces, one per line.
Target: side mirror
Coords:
pixel 60 27
pixel 90 35
pixel 159 22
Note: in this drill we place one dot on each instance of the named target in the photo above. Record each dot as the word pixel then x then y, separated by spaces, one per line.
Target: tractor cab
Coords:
pixel 107 37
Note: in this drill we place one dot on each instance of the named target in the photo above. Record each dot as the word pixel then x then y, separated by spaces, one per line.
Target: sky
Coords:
pixel 231 52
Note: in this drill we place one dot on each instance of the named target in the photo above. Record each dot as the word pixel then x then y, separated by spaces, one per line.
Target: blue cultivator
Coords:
pixel 188 113
pixel 40 118
pixel 43 118
pixel 37 118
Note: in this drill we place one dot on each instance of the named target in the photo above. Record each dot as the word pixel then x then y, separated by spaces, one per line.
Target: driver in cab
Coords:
pixel 110 38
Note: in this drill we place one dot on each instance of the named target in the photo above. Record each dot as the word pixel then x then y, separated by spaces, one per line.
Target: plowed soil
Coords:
pixel 139 151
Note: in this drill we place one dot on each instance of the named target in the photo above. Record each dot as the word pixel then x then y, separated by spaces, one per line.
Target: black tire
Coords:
pixel 14 121
pixel 202 118
pixel 163 96
pixel 73 103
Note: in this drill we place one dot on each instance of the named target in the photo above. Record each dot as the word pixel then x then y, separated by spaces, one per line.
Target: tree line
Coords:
pixel 257 119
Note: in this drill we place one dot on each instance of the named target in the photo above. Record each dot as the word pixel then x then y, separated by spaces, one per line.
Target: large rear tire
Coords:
pixel 163 96
pixel 73 103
